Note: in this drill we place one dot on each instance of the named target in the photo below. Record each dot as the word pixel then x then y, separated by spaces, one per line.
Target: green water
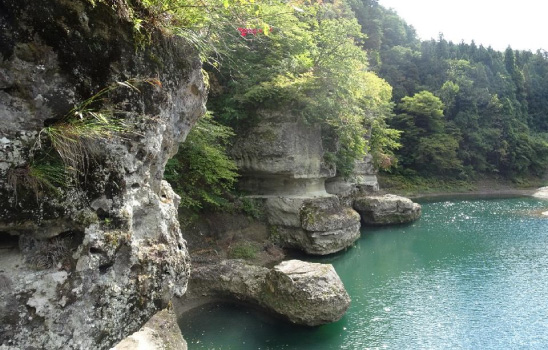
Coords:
pixel 470 274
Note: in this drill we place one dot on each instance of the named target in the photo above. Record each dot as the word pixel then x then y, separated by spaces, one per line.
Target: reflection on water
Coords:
pixel 471 274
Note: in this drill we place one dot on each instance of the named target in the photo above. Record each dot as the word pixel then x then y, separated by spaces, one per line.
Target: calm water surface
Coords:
pixel 471 274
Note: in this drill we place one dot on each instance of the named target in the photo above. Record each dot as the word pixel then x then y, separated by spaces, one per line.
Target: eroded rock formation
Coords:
pixel 317 226
pixel 281 160
pixel 304 293
pixel 83 266
pixel 362 181
pixel 161 332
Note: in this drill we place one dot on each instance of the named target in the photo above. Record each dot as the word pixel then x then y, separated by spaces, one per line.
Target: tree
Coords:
pixel 313 65
pixel 429 146
pixel 201 172
pixel 427 111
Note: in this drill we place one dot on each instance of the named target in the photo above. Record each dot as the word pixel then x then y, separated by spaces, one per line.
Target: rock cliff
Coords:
pixel 85 264
pixel 282 165
pixel 362 181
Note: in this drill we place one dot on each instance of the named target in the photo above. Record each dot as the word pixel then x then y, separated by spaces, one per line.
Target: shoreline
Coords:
pixel 417 188
pixel 482 193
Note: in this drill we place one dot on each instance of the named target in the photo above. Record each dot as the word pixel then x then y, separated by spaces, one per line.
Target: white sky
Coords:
pixel 521 24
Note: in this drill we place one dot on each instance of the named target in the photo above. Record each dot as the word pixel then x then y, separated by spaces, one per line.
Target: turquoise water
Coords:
pixel 470 274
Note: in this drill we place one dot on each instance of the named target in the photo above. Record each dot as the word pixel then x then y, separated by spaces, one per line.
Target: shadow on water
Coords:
pixel 235 326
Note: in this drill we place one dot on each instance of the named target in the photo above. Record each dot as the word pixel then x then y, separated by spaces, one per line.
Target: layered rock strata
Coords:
pixel 83 266
pixel 317 226
pixel 304 293
pixel 281 160
pixel 388 209
pixel 362 181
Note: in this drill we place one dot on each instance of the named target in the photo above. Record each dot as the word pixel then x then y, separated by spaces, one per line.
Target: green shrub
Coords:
pixel 201 172
pixel 243 250
pixel 250 208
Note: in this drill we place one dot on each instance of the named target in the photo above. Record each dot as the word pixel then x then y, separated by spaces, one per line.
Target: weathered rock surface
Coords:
pixel 318 226
pixel 83 267
pixel 282 163
pixel 161 332
pixel 282 155
pixel 363 181
pixel 387 210
pixel 304 293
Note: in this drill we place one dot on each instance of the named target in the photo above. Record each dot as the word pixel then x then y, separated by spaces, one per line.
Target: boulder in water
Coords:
pixel 387 210
pixel 305 293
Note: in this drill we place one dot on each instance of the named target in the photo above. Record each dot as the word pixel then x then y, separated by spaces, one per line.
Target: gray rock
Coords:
pixel 363 181
pixel 161 332
pixel 233 278
pixel 281 146
pixel 304 293
pixel 281 160
pixel 86 267
pixel 317 226
pixel 387 210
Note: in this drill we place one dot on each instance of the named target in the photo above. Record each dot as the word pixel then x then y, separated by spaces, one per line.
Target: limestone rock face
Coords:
pixel 161 332
pixel 281 160
pixel 231 278
pixel 318 226
pixel 83 267
pixel 362 181
pixel 304 293
pixel 387 210
pixel 282 155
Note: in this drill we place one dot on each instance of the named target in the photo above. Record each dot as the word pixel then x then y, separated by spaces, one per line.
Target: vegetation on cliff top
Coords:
pixel 462 110
pixel 302 57
pixel 310 63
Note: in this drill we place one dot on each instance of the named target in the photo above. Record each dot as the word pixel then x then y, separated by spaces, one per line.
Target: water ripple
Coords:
pixel 471 274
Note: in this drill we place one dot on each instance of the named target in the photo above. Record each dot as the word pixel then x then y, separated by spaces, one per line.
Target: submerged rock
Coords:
pixel 305 293
pixel 387 210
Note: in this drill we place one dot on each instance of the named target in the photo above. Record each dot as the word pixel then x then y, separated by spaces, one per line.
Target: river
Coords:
pixel 470 274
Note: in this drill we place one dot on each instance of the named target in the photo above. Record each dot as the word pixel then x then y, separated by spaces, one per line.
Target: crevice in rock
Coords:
pixel 93 250
pixel 8 242
pixel 105 267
